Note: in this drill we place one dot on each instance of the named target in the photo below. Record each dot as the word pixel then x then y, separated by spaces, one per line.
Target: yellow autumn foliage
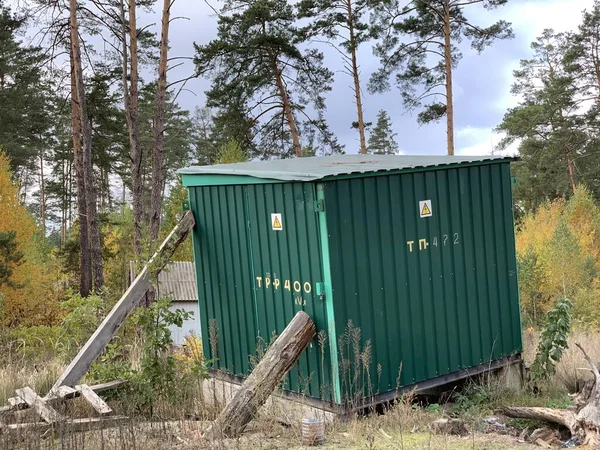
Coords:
pixel 558 250
pixel 33 301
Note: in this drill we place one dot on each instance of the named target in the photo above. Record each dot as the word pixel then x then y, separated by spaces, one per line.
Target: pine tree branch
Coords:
pixel 427 3
pixel 178 18
pixel 183 80
pixel 264 101
pixel 430 94
pixel 175 67
pixel 102 21
pixel 255 119
pixel 474 27
pixel 459 5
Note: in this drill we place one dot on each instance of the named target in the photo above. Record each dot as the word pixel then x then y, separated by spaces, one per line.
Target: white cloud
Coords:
pixel 530 18
pixel 481 141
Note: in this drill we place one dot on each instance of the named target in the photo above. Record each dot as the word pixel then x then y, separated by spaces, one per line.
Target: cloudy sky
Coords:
pixel 481 84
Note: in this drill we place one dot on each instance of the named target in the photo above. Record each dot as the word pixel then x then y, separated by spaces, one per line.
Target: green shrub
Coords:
pixel 163 377
pixel 553 341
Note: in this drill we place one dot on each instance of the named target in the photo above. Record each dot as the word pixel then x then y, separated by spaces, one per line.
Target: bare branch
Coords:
pixel 458 5
pixel 591 363
pixel 179 17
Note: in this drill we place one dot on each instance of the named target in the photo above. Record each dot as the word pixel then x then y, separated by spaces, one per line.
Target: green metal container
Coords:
pixel 406 264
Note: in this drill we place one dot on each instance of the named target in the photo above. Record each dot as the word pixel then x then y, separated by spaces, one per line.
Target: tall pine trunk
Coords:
pixel 70 193
pixel 287 108
pixel 158 151
pixel 131 96
pixel 42 195
pixel 64 206
pixel 85 262
pixel 448 69
pixel 356 79
pixel 86 151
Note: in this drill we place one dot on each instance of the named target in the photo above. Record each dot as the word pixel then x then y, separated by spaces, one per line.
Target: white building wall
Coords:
pixel 192 325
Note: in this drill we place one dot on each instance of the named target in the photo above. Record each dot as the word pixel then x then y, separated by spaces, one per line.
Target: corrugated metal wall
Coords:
pixel 434 294
pixel 224 275
pixel 253 279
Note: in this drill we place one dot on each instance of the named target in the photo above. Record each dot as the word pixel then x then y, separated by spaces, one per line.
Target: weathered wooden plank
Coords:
pixel 277 361
pixel 113 321
pixel 44 410
pixel 107 386
pixel 68 425
pixel 93 399
pixel 17 403
pixel 62 393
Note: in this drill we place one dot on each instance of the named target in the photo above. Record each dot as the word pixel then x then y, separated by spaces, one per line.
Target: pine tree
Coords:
pixel 230 153
pixel 418 43
pixel 342 21
pixel 262 71
pixel 582 57
pixel 159 128
pixel 110 142
pixel 381 139
pixel 25 97
pixel 92 272
pixel 204 143
pixel 556 148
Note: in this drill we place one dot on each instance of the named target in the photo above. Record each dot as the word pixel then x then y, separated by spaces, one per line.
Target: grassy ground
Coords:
pixel 404 426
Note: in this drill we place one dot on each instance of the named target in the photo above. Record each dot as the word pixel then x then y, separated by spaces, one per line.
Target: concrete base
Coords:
pixel 287 410
pixel 512 376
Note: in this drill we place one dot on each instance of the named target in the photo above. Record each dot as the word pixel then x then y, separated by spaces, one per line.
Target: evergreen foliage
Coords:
pixel 382 139
pixel 418 43
pixel 10 256
pixel 264 79
pixel 25 94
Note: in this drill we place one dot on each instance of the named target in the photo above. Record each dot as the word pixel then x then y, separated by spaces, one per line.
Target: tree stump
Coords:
pixel 261 383
pixel 449 426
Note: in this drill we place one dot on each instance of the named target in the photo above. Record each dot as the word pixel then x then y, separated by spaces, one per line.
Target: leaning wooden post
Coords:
pixel 107 329
pixel 255 391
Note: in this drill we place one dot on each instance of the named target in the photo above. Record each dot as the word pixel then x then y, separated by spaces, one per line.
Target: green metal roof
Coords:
pixel 322 167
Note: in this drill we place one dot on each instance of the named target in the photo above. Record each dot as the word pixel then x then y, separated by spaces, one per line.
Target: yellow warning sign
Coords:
pixel 276 222
pixel 425 209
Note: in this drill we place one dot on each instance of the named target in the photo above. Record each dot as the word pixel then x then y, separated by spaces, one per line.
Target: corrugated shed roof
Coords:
pixel 316 168
pixel 177 280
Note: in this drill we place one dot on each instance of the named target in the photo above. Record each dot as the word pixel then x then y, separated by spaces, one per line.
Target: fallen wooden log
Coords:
pixel 261 383
pixel 562 417
pixel 584 423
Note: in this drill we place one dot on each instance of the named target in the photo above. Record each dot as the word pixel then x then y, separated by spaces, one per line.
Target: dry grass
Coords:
pixel 403 426
pixel 39 378
pixel 572 368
